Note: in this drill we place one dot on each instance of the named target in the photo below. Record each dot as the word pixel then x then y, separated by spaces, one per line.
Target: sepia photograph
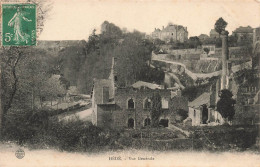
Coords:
pixel 129 83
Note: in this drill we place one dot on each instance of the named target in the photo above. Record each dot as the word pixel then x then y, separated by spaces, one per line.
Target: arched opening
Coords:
pixel 147 103
pixel 131 104
pixel 131 123
pixel 147 122
pixel 164 122
pixel 204 114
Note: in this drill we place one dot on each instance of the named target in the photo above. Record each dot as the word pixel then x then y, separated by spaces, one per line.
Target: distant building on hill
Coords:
pixel 214 34
pixel 243 33
pixel 256 35
pixel 171 32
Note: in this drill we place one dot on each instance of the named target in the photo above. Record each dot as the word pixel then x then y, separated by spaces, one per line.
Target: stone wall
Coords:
pixel 117 115
pixel 139 114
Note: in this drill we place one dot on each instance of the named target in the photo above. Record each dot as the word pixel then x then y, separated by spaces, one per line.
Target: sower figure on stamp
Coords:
pixel 16 21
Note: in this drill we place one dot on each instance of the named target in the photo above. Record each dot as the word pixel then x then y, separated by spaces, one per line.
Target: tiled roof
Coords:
pixel 202 99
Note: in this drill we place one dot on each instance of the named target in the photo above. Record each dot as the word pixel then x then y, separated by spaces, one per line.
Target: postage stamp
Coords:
pixel 18 24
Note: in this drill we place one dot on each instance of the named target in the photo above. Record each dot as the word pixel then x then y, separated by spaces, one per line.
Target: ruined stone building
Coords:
pixel 130 107
pixel 171 32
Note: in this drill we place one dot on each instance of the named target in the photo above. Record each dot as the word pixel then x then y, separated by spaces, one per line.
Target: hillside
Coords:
pixel 83 62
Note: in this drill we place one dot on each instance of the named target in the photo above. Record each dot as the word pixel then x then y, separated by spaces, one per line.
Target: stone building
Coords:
pixel 243 33
pixel 248 95
pixel 130 107
pixel 203 109
pixel 214 34
pixel 171 32
pixel 256 35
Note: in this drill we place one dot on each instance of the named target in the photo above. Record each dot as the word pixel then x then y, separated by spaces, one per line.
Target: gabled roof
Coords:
pixel 202 99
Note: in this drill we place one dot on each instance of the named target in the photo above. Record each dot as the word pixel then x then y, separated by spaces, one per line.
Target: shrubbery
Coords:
pixel 38 131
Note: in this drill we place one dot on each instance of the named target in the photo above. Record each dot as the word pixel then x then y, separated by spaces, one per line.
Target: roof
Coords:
pixel 171 27
pixel 140 84
pixel 99 84
pixel 241 29
pixel 213 31
pixel 202 99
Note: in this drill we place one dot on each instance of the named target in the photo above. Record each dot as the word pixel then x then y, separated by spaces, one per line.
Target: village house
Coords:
pixel 130 107
pixel 243 33
pixel 214 34
pixel 171 32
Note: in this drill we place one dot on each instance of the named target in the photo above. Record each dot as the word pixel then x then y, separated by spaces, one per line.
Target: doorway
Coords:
pixel 205 112
pixel 164 122
pixel 131 123
pixel 147 122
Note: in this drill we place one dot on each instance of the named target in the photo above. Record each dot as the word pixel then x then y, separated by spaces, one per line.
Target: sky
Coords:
pixel 76 19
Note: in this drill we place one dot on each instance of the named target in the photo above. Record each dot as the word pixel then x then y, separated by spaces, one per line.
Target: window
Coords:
pixel 147 103
pixel 165 103
pixel 131 104
pixel 147 122
pixel 115 78
pixel 131 123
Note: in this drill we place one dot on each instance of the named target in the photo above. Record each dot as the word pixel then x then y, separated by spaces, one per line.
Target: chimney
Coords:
pixel 105 95
pixel 224 77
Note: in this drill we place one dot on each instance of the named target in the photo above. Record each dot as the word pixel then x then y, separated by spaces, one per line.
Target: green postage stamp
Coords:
pixel 18 24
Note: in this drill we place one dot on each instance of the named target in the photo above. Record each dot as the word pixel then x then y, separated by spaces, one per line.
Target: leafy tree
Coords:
pixel 206 50
pixel 225 105
pixel 156 109
pixel 9 59
pixel 194 42
pixel 220 25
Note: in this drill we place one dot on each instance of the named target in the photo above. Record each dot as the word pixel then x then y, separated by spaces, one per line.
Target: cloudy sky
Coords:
pixel 75 19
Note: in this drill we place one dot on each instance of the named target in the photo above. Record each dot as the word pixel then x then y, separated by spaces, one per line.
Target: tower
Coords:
pixel 225 65
pixel 113 76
